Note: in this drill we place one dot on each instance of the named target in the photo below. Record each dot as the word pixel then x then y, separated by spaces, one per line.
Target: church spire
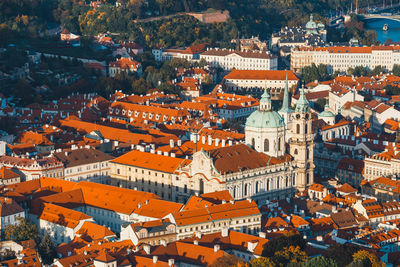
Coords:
pixel 302 104
pixel 265 101
pixel 286 104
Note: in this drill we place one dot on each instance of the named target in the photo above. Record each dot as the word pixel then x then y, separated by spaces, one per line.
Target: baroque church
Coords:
pixel 275 161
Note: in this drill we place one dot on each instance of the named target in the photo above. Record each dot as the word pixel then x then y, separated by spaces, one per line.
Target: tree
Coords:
pixel 23 230
pixel 320 104
pixel 291 254
pixel 377 70
pixel 274 245
pixel 396 69
pixel 47 250
pixel 262 262
pixel 342 254
pixel 392 89
pixel 227 260
pixel 320 261
pixel 367 259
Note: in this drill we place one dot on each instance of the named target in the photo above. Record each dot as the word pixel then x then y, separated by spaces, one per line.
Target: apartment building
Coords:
pixel 249 80
pixel 189 53
pixel 124 65
pixel 243 216
pixel 150 172
pixel 10 211
pixel 385 164
pixel 85 164
pixel 31 169
pixel 243 60
pixel 340 58
pixel 155 232
pixel 383 188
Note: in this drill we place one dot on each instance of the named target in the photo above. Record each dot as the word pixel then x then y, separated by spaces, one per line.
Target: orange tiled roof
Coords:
pixel 217 212
pixel 91 232
pixel 62 216
pixel 151 161
pixel 261 75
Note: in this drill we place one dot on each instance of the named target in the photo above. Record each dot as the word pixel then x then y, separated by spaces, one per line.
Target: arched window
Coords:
pixel 266 145
pixel 257 187
pixel 279 144
pixel 305 128
pixel 246 189
pixel 253 142
pixel 308 178
pixel 298 128
pixel 295 151
pixel 267 189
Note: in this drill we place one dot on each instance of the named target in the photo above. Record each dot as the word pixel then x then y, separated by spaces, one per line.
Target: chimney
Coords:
pixel 203 140
pixel 171 143
pixel 179 143
pixel 216 248
pixel 230 142
pixel 209 140
pixel 262 234
pixel 216 141
pixel 224 232
pixel 155 259
pixel 146 248
pixel 171 262
pixel 196 242
pixel 223 142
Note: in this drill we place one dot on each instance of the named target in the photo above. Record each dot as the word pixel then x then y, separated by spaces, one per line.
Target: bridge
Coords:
pixel 395 17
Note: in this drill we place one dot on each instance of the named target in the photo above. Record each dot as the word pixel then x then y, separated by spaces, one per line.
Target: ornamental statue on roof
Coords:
pixel 312 27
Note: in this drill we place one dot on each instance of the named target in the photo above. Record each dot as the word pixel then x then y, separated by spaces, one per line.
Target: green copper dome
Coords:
pixel 265 119
pixel 326 113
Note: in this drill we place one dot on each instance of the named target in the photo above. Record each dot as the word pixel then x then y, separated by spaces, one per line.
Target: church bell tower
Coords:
pixel 301 143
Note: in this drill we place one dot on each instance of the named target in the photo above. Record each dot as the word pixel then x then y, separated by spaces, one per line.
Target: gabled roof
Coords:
pixel 346 188
pixel 151 161
pixel 91 231
pixel 9 207
pixel 241 157
pixel 261 75
pixel 62 216
pixel 216 212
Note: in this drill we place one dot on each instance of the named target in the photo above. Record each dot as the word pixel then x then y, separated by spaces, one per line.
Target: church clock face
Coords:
pixel 298 116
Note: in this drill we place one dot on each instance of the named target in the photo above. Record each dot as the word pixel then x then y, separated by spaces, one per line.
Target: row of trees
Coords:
pixel 289 251
pixel 25 230
pixel 249 18
pixel 320 72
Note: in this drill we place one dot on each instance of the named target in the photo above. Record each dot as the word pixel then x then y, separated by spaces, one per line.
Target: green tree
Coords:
pixel 227 260
pixel 277 244
pixel 319 105
pixel 23 230
pixel 291 254
pixel 392 89
pixel 320 261
pixel 311 73
pixel 262 262
pixel 396 69
pixel 377 70
pixel 367 259
pixel 47 250
pixel 342 254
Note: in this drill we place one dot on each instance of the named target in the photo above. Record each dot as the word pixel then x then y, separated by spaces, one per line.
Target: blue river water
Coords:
pixel 377 25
